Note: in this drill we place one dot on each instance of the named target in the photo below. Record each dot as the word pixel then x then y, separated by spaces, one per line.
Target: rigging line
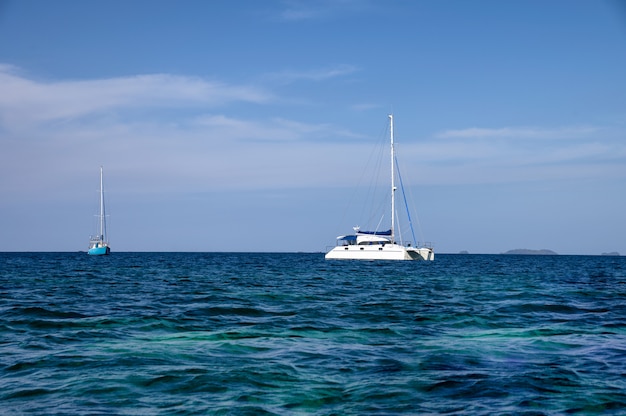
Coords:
pixel 379 222
pixel 399 230
pixel 355 198
pixel 367 195
pixel 417 218
pixel 406 205
pixel 374 203
pixel 369 208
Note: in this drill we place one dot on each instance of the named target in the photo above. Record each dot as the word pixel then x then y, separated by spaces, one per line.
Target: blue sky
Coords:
pixel 244 125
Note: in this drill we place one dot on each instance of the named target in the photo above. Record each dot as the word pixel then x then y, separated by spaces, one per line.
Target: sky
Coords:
pixel 245 125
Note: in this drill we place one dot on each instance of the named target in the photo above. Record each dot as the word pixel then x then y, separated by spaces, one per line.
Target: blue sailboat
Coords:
pixel 99 244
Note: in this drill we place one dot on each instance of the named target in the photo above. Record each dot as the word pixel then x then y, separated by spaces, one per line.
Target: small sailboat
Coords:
pixel 380 244
pixel 99 244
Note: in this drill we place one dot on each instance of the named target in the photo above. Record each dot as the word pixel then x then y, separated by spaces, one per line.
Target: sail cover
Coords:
pixel 388 232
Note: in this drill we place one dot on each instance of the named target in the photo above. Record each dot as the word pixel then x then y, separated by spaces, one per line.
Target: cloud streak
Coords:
pixel 514 154
pixel 24 101
pixel 166 133
pixel 162 132
pixel 297 10
pixel 519 133
pixel 313 75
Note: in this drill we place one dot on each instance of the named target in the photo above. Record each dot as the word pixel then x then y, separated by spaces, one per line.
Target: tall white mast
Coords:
pixel 393 186
pixel 102 230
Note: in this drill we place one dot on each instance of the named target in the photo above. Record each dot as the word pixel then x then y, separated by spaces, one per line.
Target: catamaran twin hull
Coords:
pixel 380 252
pixel 380 245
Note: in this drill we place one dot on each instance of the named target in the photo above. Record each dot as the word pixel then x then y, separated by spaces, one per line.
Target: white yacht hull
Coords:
pixel 379 252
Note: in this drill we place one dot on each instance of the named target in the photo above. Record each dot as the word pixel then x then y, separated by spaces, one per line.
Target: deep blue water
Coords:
pixel 290 334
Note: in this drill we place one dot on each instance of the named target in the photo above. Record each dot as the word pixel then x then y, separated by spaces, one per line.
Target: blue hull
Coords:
pixel 99 251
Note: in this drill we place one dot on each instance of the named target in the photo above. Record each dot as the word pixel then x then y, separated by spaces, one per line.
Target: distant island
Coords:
pixel 526 251
pixel 612 253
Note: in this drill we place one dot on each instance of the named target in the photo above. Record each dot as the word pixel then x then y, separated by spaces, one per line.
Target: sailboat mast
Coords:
pixel 393 186
pixel 102 231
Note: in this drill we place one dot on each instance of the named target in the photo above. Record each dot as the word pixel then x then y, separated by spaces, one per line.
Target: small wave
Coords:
pixel 27 393
pixel 39 312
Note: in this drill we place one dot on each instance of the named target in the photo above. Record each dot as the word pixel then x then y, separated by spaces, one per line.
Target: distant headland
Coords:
pixel 526 251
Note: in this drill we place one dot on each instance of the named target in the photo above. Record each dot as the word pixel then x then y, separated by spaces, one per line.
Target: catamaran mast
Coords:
pixel 393 186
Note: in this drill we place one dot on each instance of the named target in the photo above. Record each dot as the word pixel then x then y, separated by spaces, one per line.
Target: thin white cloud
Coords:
pixel 23 101
pixel 519 132
pixel 365 107
pixel 296 10
pixel 274 129
pixel 301 13
pixel 315 75
pixel 510 154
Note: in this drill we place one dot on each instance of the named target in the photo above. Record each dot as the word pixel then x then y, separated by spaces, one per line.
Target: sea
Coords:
pixel 294 334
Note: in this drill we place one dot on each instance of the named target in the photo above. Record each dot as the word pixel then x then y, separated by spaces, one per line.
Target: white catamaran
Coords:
pixel 379 245
pixel 99 244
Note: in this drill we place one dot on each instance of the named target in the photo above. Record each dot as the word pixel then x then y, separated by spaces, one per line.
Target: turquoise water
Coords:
pixel 291 334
